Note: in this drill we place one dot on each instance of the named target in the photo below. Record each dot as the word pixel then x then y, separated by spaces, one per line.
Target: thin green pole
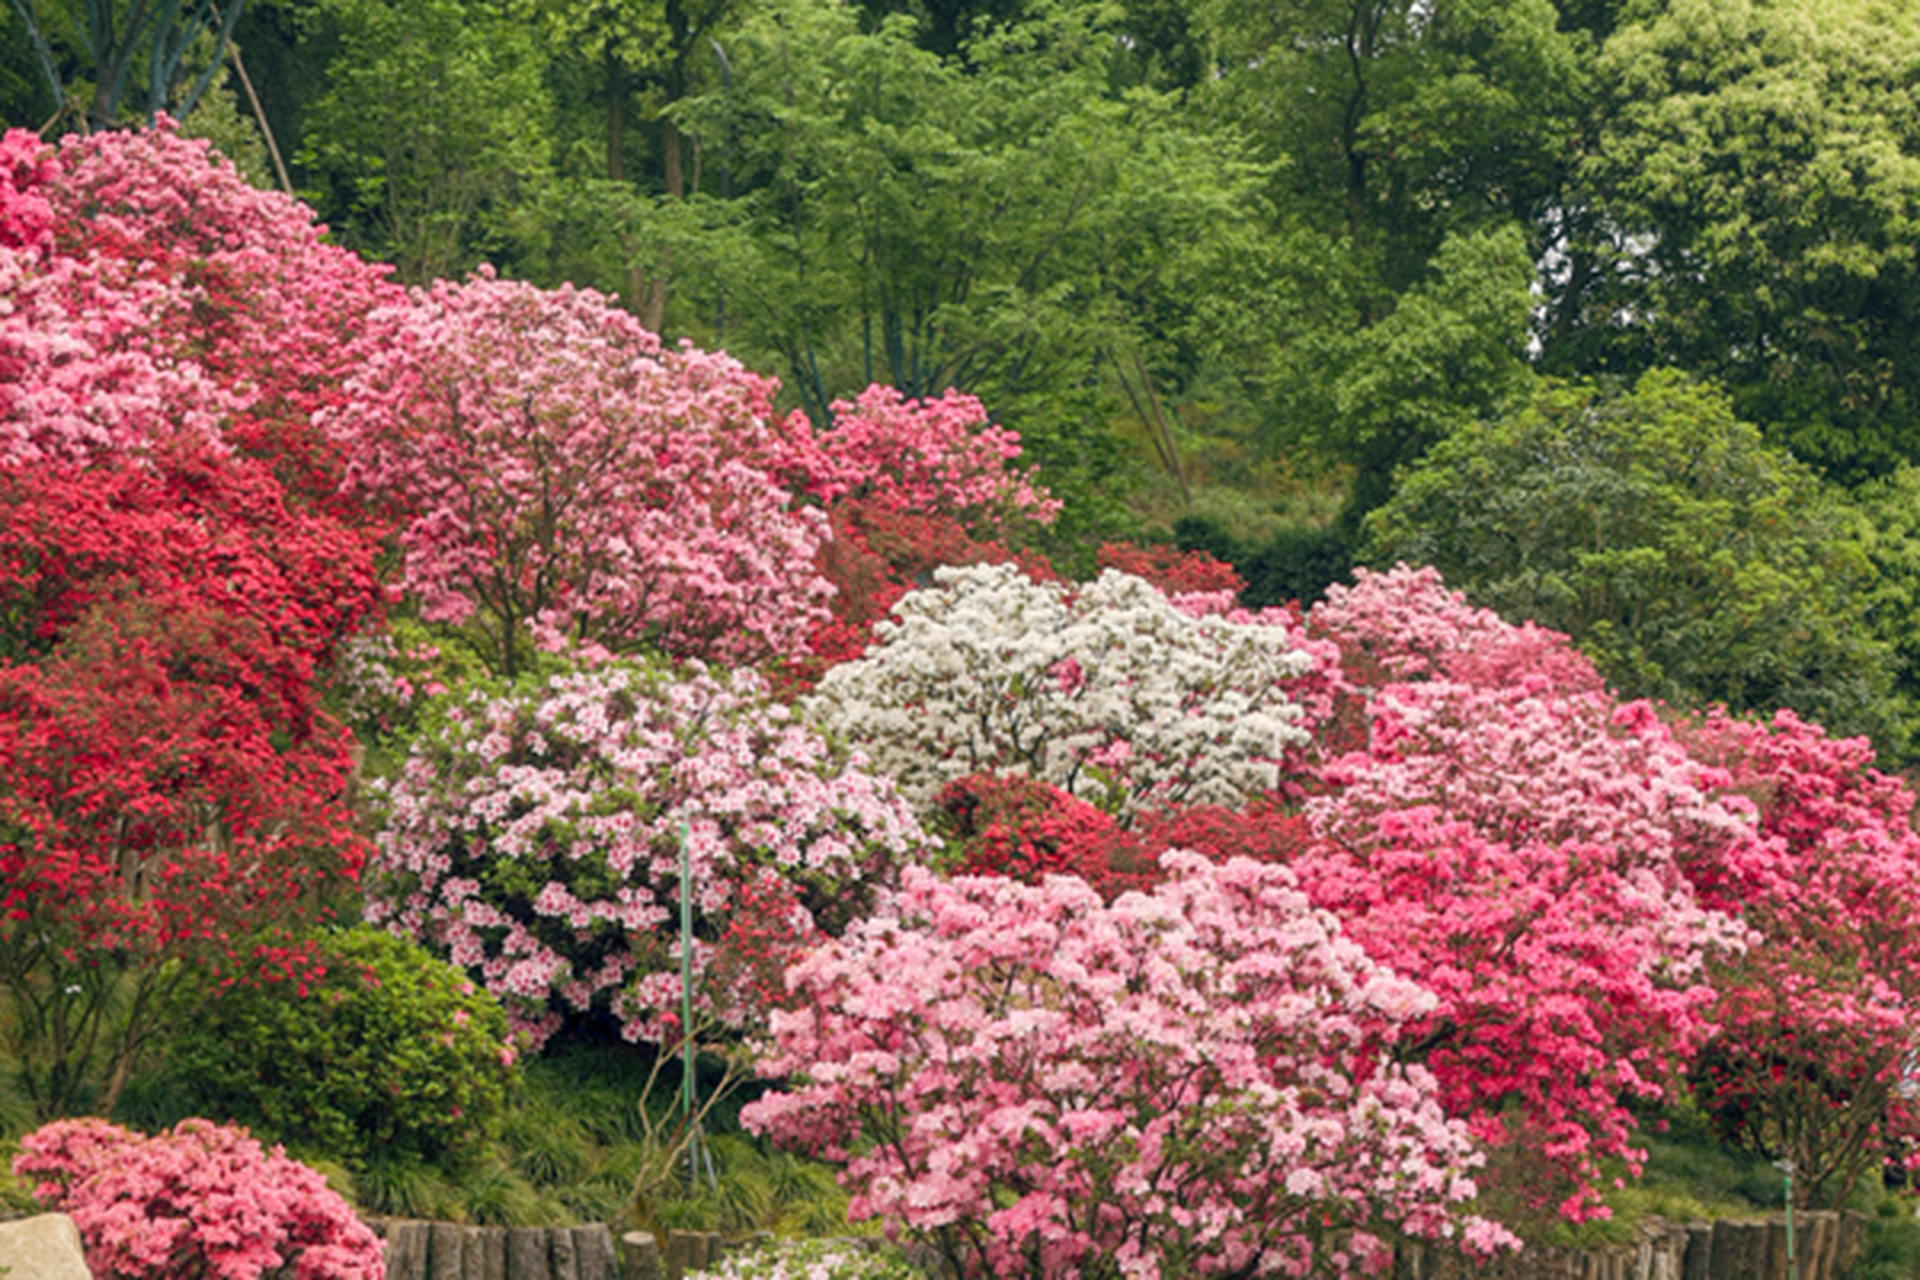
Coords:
pixel 686 999
pixel 1786 1169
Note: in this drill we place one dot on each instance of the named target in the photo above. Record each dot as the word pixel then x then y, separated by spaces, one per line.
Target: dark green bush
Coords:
pixel 391 1056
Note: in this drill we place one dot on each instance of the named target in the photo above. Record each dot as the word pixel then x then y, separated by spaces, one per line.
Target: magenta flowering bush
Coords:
pixel 200 1200
pixel 533 837
pixel 1187 1083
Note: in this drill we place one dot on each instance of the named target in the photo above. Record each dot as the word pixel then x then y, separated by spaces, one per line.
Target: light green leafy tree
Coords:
pixel 1692 561
pixel 1759 169
pixel 1005 221
pixel 435 132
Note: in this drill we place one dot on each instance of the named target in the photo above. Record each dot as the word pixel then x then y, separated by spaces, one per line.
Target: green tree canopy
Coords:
pixel 435 133
pixel 1691 560
pixel 1758 169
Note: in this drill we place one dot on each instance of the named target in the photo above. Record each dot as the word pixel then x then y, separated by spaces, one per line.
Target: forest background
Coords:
pixel 1605 309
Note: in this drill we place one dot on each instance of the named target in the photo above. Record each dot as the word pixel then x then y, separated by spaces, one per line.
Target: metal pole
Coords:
pixel 686 1001
pixel 1786 1169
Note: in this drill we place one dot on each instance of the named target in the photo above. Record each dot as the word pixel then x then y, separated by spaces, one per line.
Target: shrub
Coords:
pixel 534 837
pixel 389 1054
pixel 1190 1082
pixel 558 475
pixel 1107 691
pixel 201 1200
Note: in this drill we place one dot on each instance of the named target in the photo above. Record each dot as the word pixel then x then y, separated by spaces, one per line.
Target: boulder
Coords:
pixel 44 1247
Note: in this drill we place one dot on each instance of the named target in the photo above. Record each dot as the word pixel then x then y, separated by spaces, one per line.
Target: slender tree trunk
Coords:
pixel 616 116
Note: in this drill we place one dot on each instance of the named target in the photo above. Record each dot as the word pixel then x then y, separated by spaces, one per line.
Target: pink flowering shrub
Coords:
pixel 558 475
pixel 1186 1083
pixel 201 1200
pixel 146 291
pixel 534 838
pixel 1520 844
pixel 929 457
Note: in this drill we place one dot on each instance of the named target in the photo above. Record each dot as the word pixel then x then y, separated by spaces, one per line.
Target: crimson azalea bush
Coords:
pixel 559 476
pixel 1019 827
pixel 200 1200
pixel 170 793
pixel 534 837
pixel 1105 690
pixel 1191 1082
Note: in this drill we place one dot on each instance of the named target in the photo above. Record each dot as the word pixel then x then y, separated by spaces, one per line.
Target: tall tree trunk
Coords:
pixel 616 115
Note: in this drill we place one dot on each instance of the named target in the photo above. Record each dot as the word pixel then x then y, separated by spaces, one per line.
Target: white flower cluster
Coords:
pixel 1104 690
pixel 810 1260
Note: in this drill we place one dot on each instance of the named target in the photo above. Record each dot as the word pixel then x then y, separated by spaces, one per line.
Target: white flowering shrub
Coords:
pixel 534 836
pixel 1105 690
pixel 811 1260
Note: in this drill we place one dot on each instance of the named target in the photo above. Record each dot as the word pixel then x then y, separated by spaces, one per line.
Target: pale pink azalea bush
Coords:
pixel 1105 690
pixel 930 457
pixel 559 476
pixel 1190 1082
pixel 533 837
pixel 200 1200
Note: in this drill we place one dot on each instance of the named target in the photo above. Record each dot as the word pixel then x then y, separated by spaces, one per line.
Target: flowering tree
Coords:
pixel 534 836
pixel 1185 1083
pixel 149 292
pixel 201 1200
pixel 559 475
pixel 1514 840
pixel 1106 691
pixel 1814 1054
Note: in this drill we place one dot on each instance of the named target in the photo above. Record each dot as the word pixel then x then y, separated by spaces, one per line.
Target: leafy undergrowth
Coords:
pixel 576 1146
pixel 1690 1176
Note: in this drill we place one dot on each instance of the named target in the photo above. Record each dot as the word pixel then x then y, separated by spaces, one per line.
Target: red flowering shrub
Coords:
pixel 1025 829
pixel 1021 827
pixel 1176 572
pixel 202 1200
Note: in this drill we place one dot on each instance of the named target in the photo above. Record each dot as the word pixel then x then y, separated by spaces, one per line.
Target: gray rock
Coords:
pixel 44 1247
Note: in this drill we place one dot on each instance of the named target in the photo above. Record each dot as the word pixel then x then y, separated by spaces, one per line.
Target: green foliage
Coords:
pixel 1693 562
pixel 1758 166
pixel 434 135
pixel 390 1059
pixel 1003 221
